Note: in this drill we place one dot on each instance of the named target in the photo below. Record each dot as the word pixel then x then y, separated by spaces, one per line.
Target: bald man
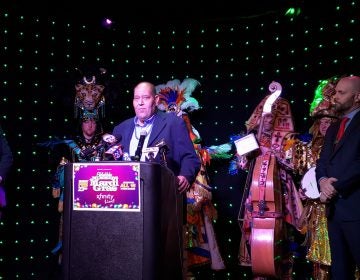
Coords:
pixel 338 176
pixel 157 125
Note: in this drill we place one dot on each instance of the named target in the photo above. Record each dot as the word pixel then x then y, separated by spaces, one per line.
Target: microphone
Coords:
pixel 163 149
pixel 115 152
pixel 111 139
pixel 161 144
pixel 140 145
pixel 151 153
pixel 87 153
pixel 126 157
pixel 113 148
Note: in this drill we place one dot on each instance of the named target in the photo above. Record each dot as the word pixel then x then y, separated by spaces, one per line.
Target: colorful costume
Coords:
pixel 6 162
pixel 272 131
pixel 89 106
pixel 200 240
pixel 306 153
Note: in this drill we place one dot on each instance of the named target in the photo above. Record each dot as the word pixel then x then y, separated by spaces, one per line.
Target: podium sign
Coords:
pixel 106 188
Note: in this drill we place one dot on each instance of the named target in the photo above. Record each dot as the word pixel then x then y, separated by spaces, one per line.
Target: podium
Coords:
pixel 122 220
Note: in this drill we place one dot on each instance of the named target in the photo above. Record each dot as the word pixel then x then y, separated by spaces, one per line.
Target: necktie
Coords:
pixel 341 129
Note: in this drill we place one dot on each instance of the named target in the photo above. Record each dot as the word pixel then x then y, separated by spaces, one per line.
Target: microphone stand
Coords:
pixel 163 150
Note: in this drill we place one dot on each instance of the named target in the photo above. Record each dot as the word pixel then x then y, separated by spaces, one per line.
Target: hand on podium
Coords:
pixel 183 183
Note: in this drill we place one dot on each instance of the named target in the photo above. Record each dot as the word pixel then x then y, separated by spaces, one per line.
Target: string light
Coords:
pixel 234 62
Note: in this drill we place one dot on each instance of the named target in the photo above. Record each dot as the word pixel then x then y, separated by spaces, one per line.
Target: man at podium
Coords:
pixel 153 128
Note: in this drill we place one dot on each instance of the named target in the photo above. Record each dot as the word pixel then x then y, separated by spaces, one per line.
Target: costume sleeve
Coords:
pixel 6 157
pixel 189 161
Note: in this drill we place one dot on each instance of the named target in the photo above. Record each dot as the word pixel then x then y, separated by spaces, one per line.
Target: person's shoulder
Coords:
pixel 171 117
pixel 357 114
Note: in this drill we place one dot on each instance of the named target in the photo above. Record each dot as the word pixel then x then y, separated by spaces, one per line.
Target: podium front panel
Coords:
pixel 116 221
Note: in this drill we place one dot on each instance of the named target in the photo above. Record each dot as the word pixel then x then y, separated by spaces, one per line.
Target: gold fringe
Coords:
pixel 319 250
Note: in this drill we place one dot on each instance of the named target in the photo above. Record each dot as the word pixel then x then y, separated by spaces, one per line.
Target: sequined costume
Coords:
pixel 306 152
pixel 275 128
pixel 199 236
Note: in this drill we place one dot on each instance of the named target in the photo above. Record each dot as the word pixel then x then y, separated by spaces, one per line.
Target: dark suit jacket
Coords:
pixel 181 157
pixel 343 162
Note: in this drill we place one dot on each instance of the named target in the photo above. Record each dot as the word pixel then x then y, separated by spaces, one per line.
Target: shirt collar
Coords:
pixel 147 122
pixel 352 113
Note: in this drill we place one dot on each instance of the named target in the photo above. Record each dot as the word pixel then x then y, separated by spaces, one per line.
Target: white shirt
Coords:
pixel 147 127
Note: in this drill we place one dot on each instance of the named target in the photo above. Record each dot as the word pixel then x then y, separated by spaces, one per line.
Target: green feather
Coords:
pixel 318 96
pixel 220 151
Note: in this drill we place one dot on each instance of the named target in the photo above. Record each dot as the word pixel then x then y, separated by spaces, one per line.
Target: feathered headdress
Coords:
pixel 175 96
pixel 321 105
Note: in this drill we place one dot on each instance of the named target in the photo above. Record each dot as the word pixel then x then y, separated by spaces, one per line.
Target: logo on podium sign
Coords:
pixel 106 187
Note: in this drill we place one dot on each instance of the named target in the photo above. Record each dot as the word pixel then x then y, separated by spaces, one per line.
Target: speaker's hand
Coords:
pixel 183 184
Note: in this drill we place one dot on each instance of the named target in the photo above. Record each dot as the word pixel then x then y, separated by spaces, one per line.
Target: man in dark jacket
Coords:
pixel 338 175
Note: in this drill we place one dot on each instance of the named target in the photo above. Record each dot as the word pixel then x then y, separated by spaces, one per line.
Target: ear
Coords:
pixel 157 98
pixel 357 97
